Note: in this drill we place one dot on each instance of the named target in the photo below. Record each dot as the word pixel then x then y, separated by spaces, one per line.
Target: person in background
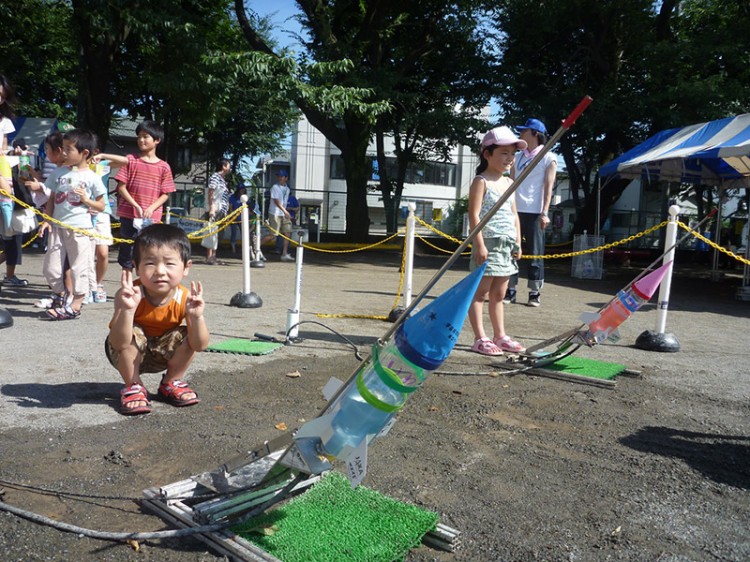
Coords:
pixel 217 200
pixel 12 241
pixel 235 202
pixel 143 185
pixel 533 198
pixel 292 205
pixel 75 190
pixel 53 150
pixel 103 236
pixel 278 215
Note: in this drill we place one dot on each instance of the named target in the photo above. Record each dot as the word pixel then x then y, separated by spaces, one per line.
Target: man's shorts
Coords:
pixel 281 224
pixel 155 351
pixel 103 228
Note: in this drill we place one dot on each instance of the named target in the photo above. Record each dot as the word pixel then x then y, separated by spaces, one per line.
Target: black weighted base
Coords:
pixel 257 264
pixel 6 320
pixel 246 300
pixel 394 314
pixel 654 341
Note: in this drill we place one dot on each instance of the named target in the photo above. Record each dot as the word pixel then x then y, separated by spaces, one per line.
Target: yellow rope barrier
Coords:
pixel 210 229
pixel 216 227
pixel 550 256
pixel 711 243
pixel 603 247
pixel 323 250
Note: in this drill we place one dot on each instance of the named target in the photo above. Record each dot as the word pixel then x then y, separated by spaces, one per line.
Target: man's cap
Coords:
pixel 282 173
pixel 502 136
pixel 534 124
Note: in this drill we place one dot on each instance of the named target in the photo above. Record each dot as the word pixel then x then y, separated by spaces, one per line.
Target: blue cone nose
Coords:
pixel 427 338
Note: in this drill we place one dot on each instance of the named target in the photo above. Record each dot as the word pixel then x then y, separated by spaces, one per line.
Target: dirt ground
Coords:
pixel 526 467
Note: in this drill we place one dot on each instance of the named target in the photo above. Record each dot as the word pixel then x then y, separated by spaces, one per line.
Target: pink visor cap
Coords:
pixel 502 136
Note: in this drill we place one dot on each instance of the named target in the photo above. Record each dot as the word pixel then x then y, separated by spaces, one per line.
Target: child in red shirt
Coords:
pixel 143 185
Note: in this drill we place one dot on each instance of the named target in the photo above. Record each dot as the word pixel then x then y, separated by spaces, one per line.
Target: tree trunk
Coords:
pixel 385 181
pixel 95 75
pixel 358 172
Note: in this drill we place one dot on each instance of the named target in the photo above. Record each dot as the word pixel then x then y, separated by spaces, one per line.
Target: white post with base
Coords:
pixel 246 298
pixel 658 340
pixel 292 318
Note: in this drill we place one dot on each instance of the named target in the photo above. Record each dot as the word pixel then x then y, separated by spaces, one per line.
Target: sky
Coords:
pixel 281 13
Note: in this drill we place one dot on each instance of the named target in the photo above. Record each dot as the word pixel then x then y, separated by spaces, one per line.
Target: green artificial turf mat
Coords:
pixel 333 523
pixel 587 367
pixel 244 347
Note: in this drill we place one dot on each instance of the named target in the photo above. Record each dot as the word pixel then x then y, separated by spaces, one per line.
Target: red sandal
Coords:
pixel 173 392
pixel 134 393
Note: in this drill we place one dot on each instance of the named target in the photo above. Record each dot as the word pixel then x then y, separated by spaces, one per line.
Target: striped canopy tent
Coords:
pixel 713 153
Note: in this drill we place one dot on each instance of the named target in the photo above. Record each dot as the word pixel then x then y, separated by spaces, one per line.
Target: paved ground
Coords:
pixel 528 468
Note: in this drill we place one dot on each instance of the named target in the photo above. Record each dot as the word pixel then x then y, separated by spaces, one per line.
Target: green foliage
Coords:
pixel 648 66
pixel 167 60
pixel 454 221
pixel 39 57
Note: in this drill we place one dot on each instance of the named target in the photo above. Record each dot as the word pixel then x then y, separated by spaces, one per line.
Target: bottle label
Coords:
pixel 628 301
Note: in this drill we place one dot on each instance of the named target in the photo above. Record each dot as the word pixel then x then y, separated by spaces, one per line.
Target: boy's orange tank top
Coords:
pixel 156 320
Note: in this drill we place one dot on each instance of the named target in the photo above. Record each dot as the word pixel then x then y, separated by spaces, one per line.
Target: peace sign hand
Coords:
pixel 129 295
pixel 195 303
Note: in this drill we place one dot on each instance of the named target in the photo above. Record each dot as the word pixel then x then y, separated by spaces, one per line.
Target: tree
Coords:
pixel 345 41
pixel 39 57
pixel 435 105
pixel 647 65
pixel 387 46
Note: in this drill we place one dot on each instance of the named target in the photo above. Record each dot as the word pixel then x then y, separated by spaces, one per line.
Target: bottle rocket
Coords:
pixel 603 325
pixel 366 406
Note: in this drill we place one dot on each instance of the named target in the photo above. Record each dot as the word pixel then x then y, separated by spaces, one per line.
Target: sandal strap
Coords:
pixel 175 388
pixel 132 390
pixel 508 344
pixel 64 312
pixel 486 346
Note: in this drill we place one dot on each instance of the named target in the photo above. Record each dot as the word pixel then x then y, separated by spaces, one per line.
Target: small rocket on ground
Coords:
pixel 364 407
pixel 602 325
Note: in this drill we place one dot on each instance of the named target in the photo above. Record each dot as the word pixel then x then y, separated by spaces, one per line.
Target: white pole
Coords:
pixel 258 220
pixel 411 223
pixel 292 319
pixel 245 228
pixel 168 217
pixel 666 284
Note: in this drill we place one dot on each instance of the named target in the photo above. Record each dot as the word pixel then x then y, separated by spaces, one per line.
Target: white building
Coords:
pixel 317 177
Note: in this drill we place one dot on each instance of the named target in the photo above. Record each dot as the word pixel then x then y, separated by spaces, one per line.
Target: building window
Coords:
pixel 435 173
pixel 337 168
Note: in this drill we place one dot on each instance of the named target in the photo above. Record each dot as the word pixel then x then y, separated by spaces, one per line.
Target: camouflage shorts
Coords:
pixel 155 351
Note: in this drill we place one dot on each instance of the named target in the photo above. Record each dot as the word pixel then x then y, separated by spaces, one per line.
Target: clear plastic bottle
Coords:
pixel 24 166
pixel 381 388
